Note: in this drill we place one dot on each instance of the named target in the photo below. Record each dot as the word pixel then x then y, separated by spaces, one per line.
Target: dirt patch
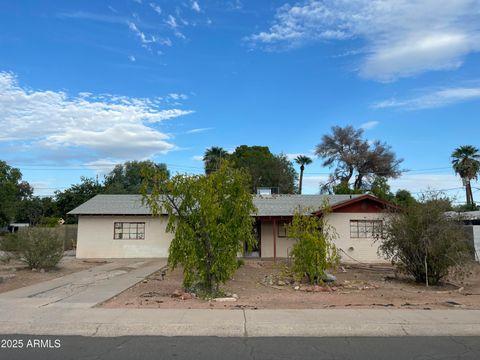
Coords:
pixel 267 285
pixel 16 275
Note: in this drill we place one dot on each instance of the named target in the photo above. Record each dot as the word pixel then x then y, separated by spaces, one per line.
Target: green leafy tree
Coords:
pixel 302 160
pixel 127 178
pixel 35 209
pixel 213 158
pixel 381 189
pixel 424 243
pixel 466 163
pixel 356 162
pixel 404 198
pixel 210 217
pixel 265 169
pixel 315 251
pixel 12 192
pixel 76 195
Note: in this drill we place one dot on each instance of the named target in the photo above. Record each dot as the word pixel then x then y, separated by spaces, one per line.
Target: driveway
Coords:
pixel 86 288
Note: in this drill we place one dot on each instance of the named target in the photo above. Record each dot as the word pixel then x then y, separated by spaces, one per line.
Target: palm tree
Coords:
pixel 466 163
pixel 213 157
pixel 302 160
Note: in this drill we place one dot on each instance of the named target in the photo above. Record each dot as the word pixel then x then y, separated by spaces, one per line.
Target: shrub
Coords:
pixel 314 251
pixel 39 248
pixel 424 243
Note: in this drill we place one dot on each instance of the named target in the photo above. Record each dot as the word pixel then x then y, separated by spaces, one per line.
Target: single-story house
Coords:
pixel 119 226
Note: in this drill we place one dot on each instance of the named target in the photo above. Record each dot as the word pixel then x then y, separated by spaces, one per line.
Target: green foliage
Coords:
pixel 302 160
pixel 425 243
pixel 39 248
pixel 315 251
pixel 12 191
pixel 127 178
pixel 381 189
pixel 76 195
pixel 404 199
pixel 265 169
pixel 343 188
pixel 213 158
pixel 35 210
pixel 466 163
pixel 211 219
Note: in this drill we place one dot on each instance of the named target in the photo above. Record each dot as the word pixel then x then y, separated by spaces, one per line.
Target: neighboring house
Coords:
pixel 471 220
pixel 119 226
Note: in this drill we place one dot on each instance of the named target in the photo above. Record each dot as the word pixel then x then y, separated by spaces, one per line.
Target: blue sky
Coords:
pixel 88 84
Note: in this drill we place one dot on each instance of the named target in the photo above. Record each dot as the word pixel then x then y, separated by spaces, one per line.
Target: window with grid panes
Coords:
pixel 366 228
pixel 129 231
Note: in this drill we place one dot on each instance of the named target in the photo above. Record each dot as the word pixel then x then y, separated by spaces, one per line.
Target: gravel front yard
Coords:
pixel 262 284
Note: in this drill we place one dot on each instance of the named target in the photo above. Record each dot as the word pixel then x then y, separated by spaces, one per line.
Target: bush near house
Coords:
pixel 424 243
pixel 39 248
pixel 315 251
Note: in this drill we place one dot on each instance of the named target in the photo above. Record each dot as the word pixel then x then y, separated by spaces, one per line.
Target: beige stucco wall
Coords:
pixel 364 250
pixel 95 238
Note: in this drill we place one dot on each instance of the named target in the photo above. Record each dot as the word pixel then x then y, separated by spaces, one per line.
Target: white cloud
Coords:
pixel 156 8
pixel 171 21
pixel 418 183
pixel 176 96
pixel 196 6
pixel 401 37
pixel 369 125
pixel 435 99
pixel 198 130
pixel 197 157
pixel 107 126
pixel 132 58
pixel 143 38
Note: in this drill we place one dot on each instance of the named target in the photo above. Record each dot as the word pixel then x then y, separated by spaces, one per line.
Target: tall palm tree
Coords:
pixel 466 163
pixel 213 157
pixel 302 160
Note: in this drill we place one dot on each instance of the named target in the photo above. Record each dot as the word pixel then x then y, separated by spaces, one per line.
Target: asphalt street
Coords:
pixel 211 348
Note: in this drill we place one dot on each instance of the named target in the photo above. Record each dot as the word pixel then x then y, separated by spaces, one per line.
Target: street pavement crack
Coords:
pixel 245 333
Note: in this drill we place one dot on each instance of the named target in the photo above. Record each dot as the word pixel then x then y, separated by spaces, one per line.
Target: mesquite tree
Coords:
pixel 355 161
pixel 210 217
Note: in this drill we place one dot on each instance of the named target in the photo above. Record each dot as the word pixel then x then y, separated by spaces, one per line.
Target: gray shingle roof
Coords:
pixel 112 205
pixel 285 205
pixel 276 205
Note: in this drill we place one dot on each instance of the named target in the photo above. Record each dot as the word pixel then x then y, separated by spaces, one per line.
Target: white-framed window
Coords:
pixel 366 228
pixel 129 230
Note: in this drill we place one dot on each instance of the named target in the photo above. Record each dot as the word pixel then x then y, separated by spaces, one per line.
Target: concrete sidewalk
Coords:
pixel 238 323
